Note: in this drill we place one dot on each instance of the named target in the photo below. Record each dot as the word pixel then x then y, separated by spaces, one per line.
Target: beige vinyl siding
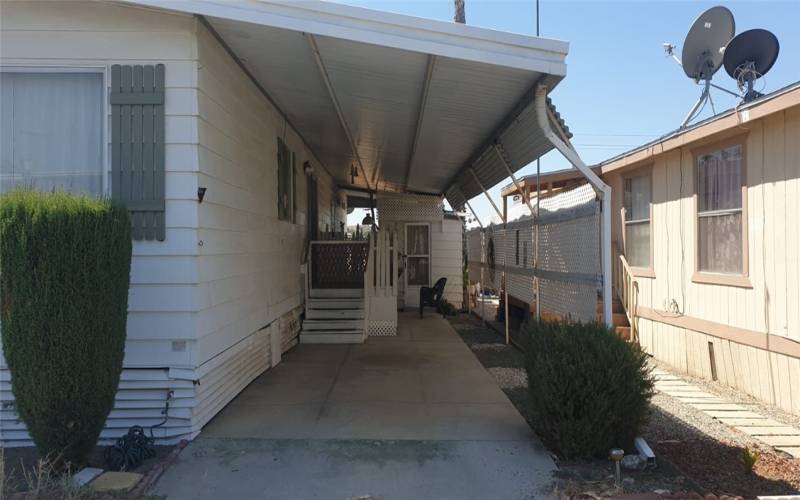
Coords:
pixel 771 305
pixel 164 297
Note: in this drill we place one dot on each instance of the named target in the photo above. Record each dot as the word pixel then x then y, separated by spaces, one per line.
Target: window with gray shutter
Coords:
pixel 286 183
pixel 137 146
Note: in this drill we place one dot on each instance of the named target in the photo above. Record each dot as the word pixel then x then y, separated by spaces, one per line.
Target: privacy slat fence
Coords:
pixel 137 146
pixel 567 265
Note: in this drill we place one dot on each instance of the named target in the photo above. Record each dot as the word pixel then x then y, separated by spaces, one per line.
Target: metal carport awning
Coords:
pixel 411 103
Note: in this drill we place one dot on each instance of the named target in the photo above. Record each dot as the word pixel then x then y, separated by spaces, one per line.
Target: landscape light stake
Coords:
pixel 616 455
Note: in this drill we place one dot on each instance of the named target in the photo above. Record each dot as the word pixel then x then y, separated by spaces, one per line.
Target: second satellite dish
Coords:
pixel 705 43
pixel 749 56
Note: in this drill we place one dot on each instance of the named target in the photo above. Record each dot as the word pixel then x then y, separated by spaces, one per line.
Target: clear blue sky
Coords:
pixel 620 90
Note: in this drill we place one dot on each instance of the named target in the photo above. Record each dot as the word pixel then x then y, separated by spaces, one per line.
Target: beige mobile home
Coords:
pixel 707 225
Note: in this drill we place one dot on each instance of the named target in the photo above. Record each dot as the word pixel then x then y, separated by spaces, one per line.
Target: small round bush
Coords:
pixel 590 390
pixel 64 275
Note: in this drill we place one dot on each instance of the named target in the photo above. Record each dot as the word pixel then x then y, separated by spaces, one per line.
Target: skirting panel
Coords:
pixel 382 329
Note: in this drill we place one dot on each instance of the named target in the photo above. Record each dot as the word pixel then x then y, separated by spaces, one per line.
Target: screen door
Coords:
pixel 418 261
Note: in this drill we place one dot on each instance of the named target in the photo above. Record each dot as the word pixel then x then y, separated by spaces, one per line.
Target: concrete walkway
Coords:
pixel 412 416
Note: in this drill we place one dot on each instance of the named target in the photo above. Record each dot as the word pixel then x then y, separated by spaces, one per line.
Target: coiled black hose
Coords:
pixel 129 451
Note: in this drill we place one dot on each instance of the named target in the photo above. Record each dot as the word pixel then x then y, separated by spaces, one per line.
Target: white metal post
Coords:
pixel 502 218
pixel 603 190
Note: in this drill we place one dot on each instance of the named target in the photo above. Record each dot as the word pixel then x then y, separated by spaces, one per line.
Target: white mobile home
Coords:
pixel 231 130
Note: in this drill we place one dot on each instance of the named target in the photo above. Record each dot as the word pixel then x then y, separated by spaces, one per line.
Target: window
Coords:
pixel 720 181
pixel 286 183
pixel 637 198
pixel 51 131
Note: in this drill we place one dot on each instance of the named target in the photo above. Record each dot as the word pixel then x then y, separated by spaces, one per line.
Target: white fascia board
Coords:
pixel 387 29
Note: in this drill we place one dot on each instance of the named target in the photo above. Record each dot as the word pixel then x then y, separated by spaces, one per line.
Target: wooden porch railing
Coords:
pixel 627 290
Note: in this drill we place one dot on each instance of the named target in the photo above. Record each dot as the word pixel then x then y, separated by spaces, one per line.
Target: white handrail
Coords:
pixel 628 291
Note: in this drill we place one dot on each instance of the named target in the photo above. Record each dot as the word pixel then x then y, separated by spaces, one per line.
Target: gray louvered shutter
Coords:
pixel 137 146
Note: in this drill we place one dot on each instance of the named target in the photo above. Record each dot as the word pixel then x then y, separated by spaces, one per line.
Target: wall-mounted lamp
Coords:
pixel 307 168
pixel 201 193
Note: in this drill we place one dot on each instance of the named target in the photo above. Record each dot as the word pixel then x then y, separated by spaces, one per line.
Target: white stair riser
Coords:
pixel 335 314
pixel 335 304
pixel 332 338
pixel 340 324
pixel 336 293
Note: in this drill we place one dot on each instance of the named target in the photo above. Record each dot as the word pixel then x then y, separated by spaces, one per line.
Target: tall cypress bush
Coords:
pixel 590 390
pixel 64 276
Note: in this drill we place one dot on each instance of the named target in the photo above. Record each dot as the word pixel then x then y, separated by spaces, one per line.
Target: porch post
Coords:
pixel 480 284
pixel 502 218
pixel 544 115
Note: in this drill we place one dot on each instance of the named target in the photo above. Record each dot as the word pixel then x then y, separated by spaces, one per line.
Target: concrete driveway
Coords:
pixel 413 416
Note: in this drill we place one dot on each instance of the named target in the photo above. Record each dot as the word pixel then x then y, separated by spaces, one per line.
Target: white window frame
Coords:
pixel 647 171
pixel 26 68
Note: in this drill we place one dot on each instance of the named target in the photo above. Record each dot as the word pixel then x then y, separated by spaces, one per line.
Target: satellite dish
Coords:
pixel 749 56
pixel 705 43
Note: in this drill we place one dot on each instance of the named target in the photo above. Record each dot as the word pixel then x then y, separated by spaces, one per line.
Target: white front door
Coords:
pixel 418 261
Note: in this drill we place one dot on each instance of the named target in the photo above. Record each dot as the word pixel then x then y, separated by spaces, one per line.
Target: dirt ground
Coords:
pixel 18 463
pixel 695 453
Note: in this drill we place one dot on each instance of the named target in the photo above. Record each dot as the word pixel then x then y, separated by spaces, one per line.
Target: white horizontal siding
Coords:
pixel 164 296
pixel 140 400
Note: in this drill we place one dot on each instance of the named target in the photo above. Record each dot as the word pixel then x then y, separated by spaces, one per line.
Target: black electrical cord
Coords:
pixel 129 451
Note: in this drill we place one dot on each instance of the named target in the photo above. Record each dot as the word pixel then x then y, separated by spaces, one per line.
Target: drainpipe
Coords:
pixel 602 189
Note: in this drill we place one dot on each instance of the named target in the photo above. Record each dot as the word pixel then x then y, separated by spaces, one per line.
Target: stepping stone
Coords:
pixel 749 422
pixel 85 475
pixel 702 400
pixel 760 430
pixel 732 414
pixel 718 406
pixel 690 394
pixel 779 441
pixel 791 450
pixel 116 481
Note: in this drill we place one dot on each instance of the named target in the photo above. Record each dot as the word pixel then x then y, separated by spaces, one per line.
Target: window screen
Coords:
pixel 637 220
pixel 51 132
pixel 719 211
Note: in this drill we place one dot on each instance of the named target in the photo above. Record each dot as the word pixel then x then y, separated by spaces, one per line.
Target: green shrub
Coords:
pixel 64 275
pixel 590 390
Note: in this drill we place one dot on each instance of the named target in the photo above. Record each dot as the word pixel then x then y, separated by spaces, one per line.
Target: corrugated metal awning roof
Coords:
pixel 412 103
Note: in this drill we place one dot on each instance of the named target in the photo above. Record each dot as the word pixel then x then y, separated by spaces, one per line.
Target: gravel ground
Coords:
pixel 694 450
pixel 710 451
pixel 592 477
pixel 736 396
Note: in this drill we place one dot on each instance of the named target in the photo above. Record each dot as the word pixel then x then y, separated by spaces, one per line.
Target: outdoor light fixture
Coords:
pixel 201 193
pixel 307 168
pixel 616 456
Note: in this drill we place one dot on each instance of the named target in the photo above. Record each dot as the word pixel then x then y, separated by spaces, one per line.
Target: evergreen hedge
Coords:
pixel 64 276
pixel 590 389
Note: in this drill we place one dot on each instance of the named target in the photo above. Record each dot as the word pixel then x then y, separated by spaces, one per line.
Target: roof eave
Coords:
pixel 387 29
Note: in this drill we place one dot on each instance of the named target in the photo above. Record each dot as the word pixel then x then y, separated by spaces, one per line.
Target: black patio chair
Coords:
pixel 432 296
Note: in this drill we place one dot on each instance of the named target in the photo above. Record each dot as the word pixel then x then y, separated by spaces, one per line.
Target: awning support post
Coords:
pixel 502 218
pixel 602 189
pixel 480 184
pixel 480 284
pixel 501 156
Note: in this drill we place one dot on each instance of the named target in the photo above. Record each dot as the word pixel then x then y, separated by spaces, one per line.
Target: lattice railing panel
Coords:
pixel 338 264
